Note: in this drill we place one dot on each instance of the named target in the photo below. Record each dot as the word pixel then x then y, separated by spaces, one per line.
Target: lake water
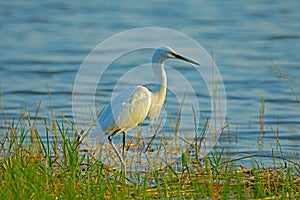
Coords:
pixel 43 44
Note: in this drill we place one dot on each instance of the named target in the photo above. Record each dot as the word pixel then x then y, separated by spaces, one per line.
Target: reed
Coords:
pixel 49 165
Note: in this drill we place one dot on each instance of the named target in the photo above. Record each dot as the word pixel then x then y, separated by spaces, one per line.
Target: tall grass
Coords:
pixel 48 164
pixel 282 75
pixel 52 167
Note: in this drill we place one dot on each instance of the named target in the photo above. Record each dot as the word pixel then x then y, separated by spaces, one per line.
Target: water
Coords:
pixel 44 43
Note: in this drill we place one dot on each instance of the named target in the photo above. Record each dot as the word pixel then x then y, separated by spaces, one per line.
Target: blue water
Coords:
pixel 43 44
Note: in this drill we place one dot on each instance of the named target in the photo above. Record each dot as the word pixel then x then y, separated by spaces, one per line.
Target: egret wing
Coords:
pixel 126 110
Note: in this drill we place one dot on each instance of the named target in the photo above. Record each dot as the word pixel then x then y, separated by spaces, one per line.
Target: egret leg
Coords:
pixel 123 147
pixel 115 149
pixel 123 164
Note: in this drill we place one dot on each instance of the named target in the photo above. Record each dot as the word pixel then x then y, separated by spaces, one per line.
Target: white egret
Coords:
pixel 133 105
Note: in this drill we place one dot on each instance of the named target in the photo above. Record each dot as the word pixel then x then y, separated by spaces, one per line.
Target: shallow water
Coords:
pixel 44 43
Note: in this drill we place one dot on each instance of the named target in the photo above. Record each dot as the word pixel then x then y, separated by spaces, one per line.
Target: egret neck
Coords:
pixel 159 91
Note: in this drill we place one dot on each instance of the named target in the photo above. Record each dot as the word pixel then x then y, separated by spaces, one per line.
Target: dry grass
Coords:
pixel 53 168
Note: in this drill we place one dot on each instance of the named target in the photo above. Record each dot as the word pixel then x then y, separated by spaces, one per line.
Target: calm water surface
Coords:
pixel 42 46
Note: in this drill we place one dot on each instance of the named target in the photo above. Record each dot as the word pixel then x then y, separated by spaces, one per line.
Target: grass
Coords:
pixel 282 75
pixel 32 167
pixel 49 164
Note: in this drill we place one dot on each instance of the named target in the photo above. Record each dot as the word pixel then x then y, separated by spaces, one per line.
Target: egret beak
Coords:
pixel 185 59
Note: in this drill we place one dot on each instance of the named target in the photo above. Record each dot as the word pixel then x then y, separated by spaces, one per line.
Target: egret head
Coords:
pixel 163 53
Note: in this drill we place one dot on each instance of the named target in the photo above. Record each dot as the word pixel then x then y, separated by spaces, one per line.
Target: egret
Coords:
pixel 132 106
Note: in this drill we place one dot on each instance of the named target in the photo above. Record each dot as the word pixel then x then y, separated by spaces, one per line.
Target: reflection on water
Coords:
pixel 43 44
